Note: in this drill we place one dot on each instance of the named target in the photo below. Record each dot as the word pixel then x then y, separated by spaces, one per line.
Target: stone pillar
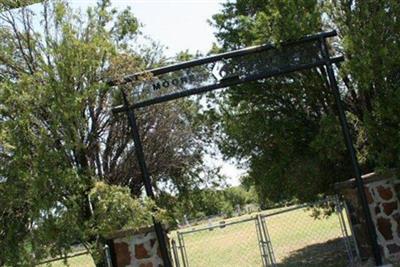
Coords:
pixel 382 195
pixel 135 248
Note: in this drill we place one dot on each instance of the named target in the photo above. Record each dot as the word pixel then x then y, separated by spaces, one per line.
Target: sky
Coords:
pixel 179 25
pixel 176 24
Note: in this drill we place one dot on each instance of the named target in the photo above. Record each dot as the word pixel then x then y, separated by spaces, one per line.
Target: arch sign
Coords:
pixel 232 68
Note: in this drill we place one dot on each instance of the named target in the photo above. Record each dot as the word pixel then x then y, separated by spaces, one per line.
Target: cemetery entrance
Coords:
pixel 229 69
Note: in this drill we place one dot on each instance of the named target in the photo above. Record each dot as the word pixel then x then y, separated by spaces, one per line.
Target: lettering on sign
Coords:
pixel 174 82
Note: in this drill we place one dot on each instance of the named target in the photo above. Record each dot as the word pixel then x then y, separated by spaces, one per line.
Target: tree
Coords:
pixel 370 32
pixel 286 127
pixel 11 4
pixel 58 137
pixel 208 201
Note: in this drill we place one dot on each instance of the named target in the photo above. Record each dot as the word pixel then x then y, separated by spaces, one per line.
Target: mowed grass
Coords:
pixel 233 245
pixel 297 240
pixel 78 261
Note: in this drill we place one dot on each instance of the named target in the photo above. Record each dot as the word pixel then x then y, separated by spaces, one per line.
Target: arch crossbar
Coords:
pixel 228 69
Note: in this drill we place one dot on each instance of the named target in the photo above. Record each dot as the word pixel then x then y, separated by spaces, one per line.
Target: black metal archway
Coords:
pixel 233 68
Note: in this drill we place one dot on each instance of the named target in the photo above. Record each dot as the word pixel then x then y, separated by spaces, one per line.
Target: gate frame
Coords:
pixel 260 233
pixel 339 206
pixel 327 62
pixel 261 225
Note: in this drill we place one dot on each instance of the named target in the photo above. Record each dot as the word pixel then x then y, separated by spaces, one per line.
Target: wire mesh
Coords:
pixel 300 239
pixel 283 237
pixel 76 259
pixel 235 244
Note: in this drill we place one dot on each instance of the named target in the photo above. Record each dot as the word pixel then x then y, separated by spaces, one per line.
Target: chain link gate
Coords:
pixel 307 241
pixel 285 237
pixel 240 243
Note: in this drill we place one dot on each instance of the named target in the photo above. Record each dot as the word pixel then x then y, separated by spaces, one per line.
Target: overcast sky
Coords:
pixel 177 24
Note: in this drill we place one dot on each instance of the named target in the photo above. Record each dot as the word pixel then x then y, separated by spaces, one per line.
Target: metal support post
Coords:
pixel 349 144
pixel 175 251
pixel 183 250
pixel 108 256
pixel 268 242
pixel 343 229
pixel 261 241
pixel 162 242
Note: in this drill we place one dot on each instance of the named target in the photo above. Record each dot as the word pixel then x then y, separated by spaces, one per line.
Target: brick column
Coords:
pixel 382 195
pixel 136 248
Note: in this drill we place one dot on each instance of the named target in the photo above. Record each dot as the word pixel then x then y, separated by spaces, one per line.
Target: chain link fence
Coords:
pixel 81 259
pixel 285 237
pixel 234 243
pixel 298 238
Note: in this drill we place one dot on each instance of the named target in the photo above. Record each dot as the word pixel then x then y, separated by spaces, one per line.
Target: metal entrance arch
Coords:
pixel 232 68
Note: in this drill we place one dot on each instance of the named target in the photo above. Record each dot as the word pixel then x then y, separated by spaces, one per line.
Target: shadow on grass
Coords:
pixel 328 254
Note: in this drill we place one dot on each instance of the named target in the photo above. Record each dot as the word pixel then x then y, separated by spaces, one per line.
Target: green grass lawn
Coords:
pixel 235 245
pixel 297 240
pixel 78 261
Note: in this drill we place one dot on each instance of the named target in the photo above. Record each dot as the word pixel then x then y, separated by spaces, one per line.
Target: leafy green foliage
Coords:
pixel 370 32
pixel 49 83
pixel 285 128
pixel 115 209
pixel 208 202
pixel 11 4
pixel 58 137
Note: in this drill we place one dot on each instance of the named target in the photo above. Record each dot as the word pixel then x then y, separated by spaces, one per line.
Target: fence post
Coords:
pixel 343 228
pixel 175 252
pixel 261 241
pixel 108 256
pixel 182 248
pixel 268 242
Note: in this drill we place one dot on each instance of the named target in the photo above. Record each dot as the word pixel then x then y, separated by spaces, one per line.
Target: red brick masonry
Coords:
pixel 382 195
pixel 137 248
